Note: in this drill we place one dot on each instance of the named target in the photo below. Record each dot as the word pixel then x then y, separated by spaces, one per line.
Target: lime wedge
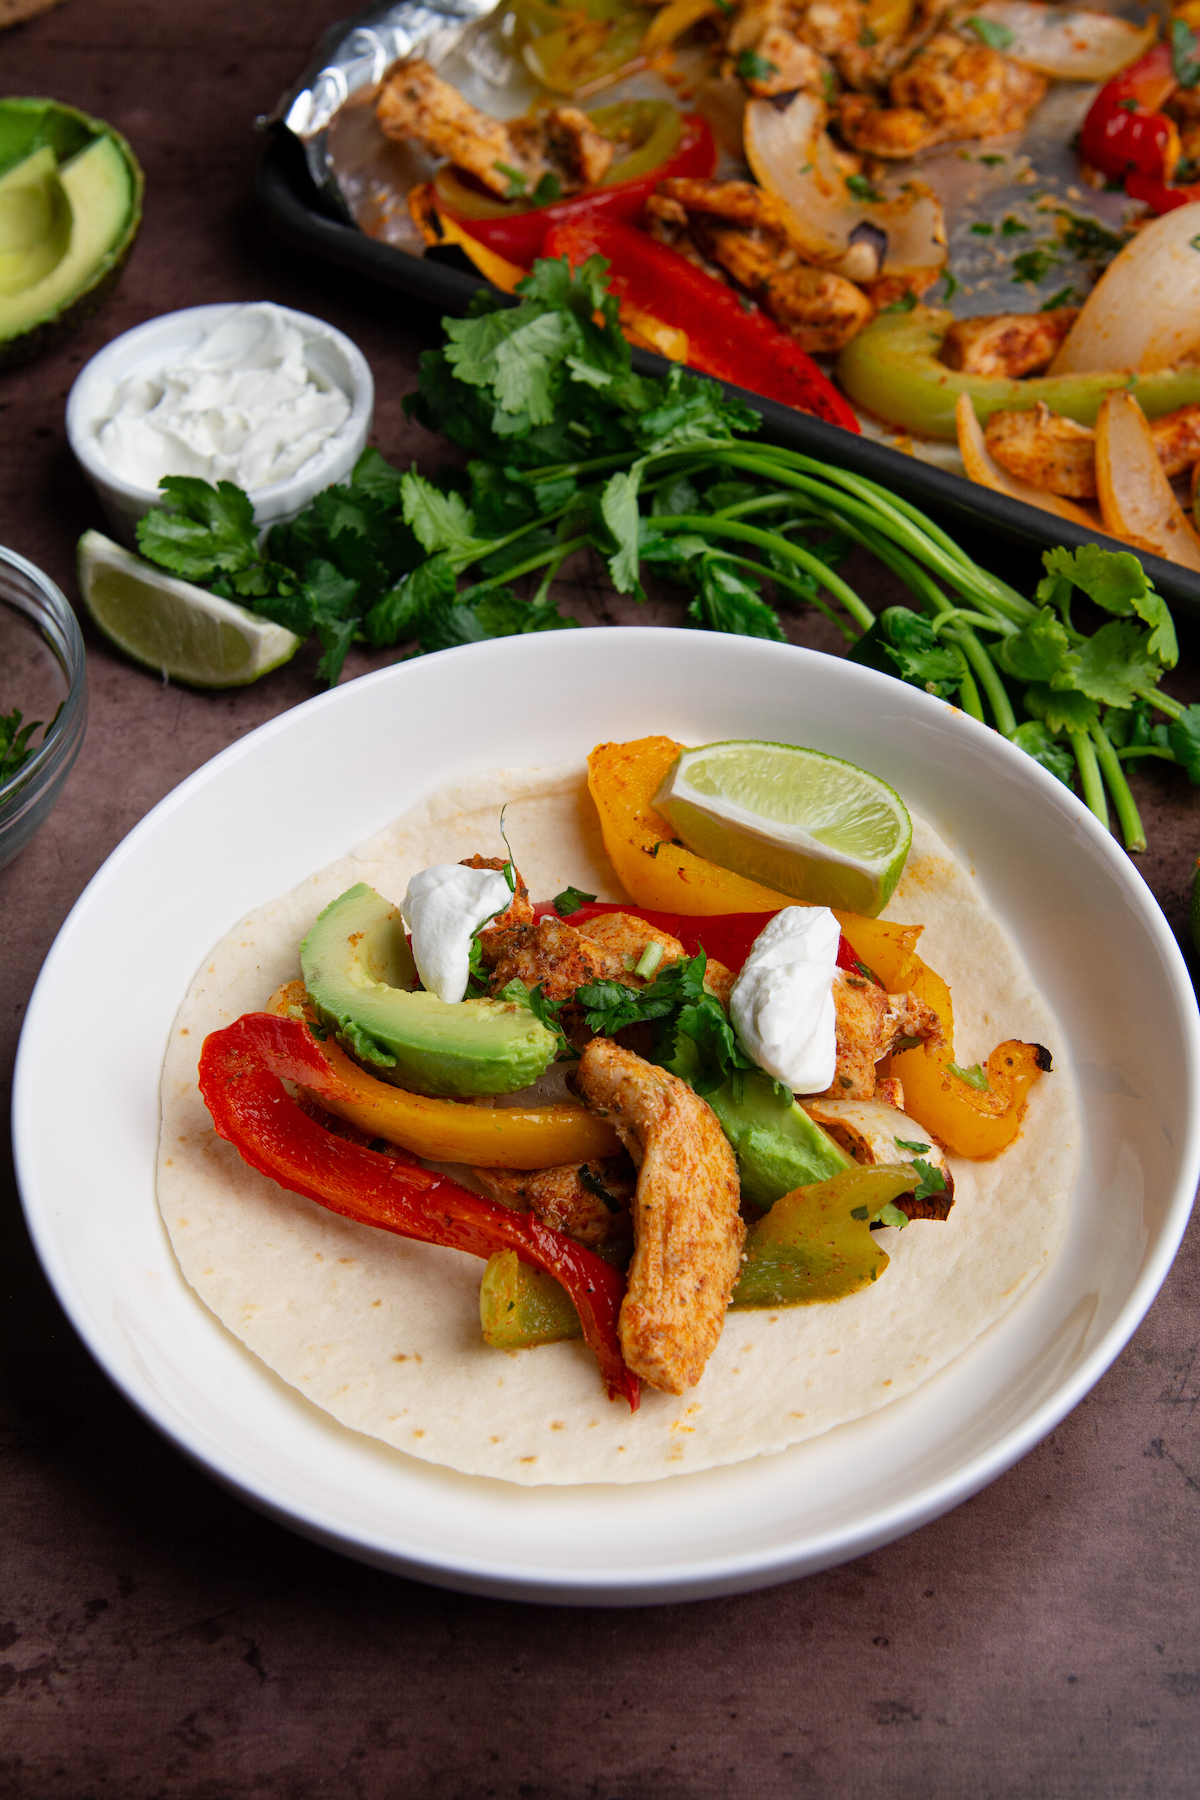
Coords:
pixel 797 820
pixel 185 633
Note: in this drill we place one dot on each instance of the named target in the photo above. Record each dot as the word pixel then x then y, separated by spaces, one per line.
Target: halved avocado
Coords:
pixel 70 207
pixel 359 972
pixel 35 222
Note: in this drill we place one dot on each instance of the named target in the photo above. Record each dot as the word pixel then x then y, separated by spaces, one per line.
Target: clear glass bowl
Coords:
pixel 42 668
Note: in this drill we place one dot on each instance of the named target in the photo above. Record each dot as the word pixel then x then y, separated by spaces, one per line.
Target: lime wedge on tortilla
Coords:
pixel 804 823
pixel 185 633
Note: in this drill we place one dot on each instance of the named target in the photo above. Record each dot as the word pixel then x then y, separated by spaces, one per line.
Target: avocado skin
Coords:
pixel 358 970
pixel 43 335
pixel 778 1147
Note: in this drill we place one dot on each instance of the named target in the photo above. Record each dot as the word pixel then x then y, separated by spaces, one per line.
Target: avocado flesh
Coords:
pixel 778 1147
pixel 359 971
pixel 98 188
pixel 35 222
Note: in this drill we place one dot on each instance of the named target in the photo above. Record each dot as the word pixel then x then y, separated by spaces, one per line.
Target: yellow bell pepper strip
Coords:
pixel 654 871
pixel 891 369
pixel 242 1071
pixel 495 1137
pixel 672 20
pixel 972 1121
pixel 438 226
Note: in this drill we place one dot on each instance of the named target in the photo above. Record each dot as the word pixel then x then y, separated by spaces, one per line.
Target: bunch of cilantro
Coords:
pixel 381 560
pixel 571 448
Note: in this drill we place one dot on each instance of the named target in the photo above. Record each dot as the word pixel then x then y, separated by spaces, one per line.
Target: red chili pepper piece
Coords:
pixel 519 238
pixel 1125 132
pixel 1157 195
pixel 242 1070
pixel 727 338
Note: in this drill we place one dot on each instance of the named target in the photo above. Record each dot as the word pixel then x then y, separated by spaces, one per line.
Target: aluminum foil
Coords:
pixel 1002 199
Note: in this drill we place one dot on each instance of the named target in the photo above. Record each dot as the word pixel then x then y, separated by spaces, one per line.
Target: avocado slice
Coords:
pixel 35 221
pixel 778 1147
pixel 70 207
pixel 359 972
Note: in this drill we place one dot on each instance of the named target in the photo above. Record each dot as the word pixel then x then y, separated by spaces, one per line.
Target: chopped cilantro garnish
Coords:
pixel 1185 53
pixel 981 228
pixel 517 182
pixel 904 304
pixel 1064 297
pixel 991 33
pixel 904 1144
pixel 1031 265
pixel 1011 226
pixel 993 161
pixel 753 67
pixel 863 190
pixel 932 1179
pixel 570 901
pixel 974 1076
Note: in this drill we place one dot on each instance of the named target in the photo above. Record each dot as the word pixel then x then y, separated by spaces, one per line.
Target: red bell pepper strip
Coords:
pixel 520 236
pixel 726 338
pixel 242 1070
pixel 725 937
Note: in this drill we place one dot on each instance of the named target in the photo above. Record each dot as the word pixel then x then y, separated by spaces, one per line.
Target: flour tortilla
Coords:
pixel 384 1334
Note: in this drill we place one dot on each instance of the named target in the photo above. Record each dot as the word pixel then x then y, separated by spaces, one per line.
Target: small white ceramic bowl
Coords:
pixel 149 348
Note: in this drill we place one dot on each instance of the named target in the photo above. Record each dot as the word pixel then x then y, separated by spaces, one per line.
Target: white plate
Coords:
pixel 297 793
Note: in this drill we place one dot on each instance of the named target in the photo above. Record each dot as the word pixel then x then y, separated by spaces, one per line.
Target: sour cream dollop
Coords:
pixel 782 1002
pixel 444 908
pixel 242 405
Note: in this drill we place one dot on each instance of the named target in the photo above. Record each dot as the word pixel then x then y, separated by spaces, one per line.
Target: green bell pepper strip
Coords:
pixel 815 1244
pixel 891 369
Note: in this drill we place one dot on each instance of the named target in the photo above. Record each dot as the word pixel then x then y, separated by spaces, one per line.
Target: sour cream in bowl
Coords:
pixel 276 401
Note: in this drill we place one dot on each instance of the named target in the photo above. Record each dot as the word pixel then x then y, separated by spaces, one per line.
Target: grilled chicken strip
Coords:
pixel 519 913
pixel 1059 456
pixel 1045 450
pixel 869 1021
pixel 687 1231
pixel 1012 344
pixel 623 940
pixel 549 952
pixel 948 90
pixel 740 229
pixel 590 1202
pixel 414 102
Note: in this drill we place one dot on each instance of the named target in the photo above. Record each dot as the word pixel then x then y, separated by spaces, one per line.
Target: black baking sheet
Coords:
pixel 295 211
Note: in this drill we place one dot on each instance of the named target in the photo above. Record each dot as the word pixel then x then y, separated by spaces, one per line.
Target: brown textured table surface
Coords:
pixel 158 1638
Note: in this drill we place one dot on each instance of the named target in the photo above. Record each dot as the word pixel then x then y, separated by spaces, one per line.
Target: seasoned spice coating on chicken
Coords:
pixel 415 103
pixel 688 1233
pixel 623 940
pixel 1045 450
pixel 549 953
pixel 589 1201
pixel 948 90
pixel 521 910
pixel 736 229
pixel 868 1022
pixel 1012 344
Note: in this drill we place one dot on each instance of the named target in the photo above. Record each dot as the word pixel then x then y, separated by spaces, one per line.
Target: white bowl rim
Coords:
pixel 362 400
pixel 635 1585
